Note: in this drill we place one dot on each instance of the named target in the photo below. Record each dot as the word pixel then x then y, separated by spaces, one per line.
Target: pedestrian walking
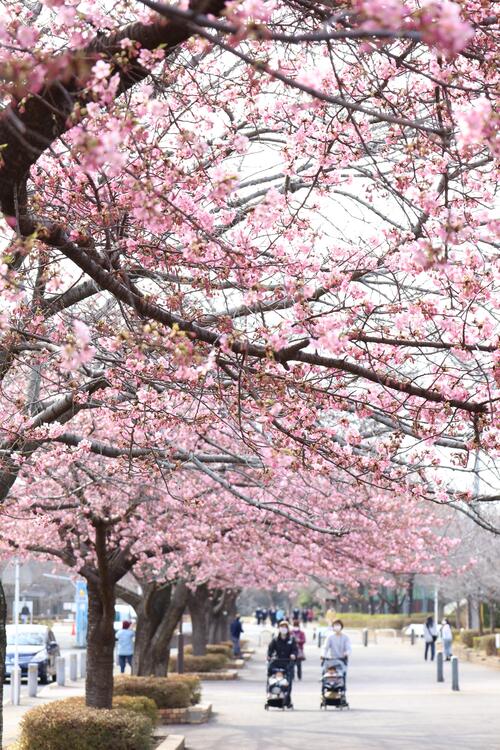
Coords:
pixel 447 638
pixel 282 651
pixel 280 615
pixel 236 630
pixel 430 638
pixel 25 614
pixel 125 638
pixel 272 616
pixel 300 638
pixel 258 615
pixel 305 616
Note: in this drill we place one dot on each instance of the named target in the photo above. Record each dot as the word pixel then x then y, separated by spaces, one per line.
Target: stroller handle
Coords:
pixel 282 661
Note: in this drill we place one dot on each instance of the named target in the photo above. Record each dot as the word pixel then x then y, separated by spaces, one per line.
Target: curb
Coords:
pixel 198 714
pixel 172 742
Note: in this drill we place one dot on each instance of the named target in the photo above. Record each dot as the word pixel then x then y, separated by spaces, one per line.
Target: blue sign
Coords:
pixel 82 612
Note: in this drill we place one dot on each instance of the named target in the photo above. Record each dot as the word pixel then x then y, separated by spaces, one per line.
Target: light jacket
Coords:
pixel 429 632
pixel 337 646
pixel 446 632
pixel 125 638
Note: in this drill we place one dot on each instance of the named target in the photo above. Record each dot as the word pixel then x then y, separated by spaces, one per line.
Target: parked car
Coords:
pixel 37 645
pixel 417 628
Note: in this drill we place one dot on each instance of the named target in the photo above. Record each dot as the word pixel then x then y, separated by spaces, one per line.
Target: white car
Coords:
pixel 123 612
pixel 417 628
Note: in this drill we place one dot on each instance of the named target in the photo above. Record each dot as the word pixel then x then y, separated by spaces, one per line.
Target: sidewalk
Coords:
pixel 12 715
pixel 396 704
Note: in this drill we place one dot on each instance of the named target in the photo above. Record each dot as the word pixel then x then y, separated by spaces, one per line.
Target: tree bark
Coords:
pixel 100 644
pixel 200 605
pixel 158 612
pixel 3 647
pixel 411 593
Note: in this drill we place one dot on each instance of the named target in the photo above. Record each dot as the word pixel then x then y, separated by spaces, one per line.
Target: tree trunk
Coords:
pixel 3 646
pixel 100 644
pixel 199 604
pixel 222 612
pixel 158 614
pixel 411 594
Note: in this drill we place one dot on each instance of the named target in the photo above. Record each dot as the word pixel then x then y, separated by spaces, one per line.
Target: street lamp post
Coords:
pixel 15 677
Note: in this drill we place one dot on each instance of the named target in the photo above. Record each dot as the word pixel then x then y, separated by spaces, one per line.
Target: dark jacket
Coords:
pixel 236 629
pixel 282 648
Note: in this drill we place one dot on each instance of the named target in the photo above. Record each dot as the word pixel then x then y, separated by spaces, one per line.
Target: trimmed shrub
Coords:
pixel 70 724
pixel 467 637
pixel 486 643
pixel 361 620
pixel 139 704
pixel 193 683
pixel 208 663
pixel 214 648
pixel 164 691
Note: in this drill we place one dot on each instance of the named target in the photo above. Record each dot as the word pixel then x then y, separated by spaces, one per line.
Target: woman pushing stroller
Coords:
pixel 281 655
pixel 337 645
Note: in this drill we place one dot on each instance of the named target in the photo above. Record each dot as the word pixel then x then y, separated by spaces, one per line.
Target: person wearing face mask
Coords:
pixel 447 638
pixel 337 644
pixel 282 652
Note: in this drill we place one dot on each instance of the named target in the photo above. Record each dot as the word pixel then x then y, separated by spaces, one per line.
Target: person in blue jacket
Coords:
pixel 236 629
pixel 125 638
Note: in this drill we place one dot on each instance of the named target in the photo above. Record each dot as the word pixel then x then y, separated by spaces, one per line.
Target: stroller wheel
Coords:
pixel 266 707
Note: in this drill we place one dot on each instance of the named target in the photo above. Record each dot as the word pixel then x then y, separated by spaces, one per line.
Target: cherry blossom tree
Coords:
pixel 185 540
pixel 254 240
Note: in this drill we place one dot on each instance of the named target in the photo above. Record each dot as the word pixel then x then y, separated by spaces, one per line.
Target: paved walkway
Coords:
pixel 396 704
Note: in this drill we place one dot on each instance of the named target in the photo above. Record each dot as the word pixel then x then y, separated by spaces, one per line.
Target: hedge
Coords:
pixel 139 704
pixel 214 648
pixel 166 692
pixel 486 643
pixel 362 620
pixel 467 637
pixel 208 663
pixel 70 724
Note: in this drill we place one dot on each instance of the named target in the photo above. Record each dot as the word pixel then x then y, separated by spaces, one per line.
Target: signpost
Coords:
pixel 81 613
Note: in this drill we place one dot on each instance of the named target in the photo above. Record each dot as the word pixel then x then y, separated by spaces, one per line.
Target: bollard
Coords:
pixel 83 665
pixel 365 636
pixel 32 680
pixel 73 667
pixel 15 686
pixel 454 673
pixel 439 665
pixel 180 653
pixel 412 637
pixel 320 638
pixel 61 670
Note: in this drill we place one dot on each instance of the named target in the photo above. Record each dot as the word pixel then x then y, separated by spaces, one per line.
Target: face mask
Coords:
pixel 337 628
pixel 284 631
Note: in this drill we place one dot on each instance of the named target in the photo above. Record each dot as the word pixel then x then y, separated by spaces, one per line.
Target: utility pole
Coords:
pixel 15 676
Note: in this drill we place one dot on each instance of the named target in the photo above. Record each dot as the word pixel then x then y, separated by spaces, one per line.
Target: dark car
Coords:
pixel 36 645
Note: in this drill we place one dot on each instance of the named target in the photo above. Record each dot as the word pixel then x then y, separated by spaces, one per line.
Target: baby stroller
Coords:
pixel 278 685
pixel 333 691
